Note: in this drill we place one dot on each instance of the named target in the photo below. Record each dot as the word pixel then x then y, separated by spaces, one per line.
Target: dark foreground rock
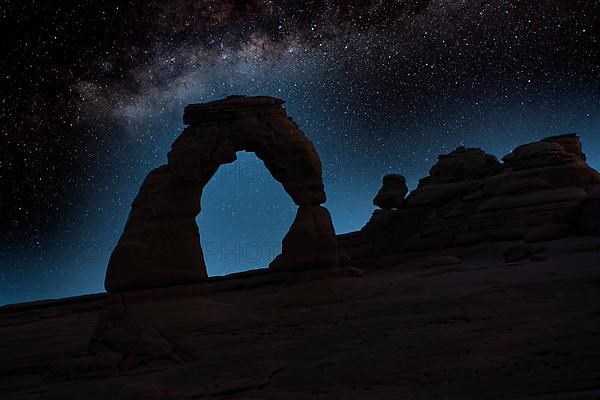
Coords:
pixel 392 192
pixel 468 326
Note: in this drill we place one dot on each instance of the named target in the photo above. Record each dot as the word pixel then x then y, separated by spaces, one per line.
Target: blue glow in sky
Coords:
pixel 245 212
pixel 379 87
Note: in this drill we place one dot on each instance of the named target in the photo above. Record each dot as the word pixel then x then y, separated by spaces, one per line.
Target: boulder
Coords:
pixel 547 152
pixel 454 176
pixel 392 193
pixel 570 143
pixel 463 164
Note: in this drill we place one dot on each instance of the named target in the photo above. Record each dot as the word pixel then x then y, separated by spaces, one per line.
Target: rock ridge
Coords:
pixel 541 191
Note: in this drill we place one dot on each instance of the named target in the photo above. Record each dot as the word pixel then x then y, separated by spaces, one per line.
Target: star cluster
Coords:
pixel 93 92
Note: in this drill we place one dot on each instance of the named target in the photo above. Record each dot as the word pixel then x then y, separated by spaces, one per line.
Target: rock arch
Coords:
pixel 160 244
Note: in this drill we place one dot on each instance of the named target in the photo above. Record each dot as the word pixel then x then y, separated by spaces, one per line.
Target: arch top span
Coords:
pixel 160 244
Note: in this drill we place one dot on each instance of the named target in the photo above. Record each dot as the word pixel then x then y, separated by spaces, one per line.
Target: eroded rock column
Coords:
pixel 160 245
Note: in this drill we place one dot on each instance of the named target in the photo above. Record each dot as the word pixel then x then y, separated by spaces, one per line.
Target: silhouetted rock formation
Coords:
pixel 310 242
pixel 160 245
pixel 585 215
pixel 392 193
pixel 542 191
pixel 469 253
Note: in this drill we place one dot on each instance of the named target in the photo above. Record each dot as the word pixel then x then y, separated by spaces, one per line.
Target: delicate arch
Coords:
pixel 160 245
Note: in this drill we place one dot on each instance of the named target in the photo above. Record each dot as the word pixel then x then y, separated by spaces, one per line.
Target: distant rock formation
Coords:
pixel 160 245
pixel 541 191
pixel 392 193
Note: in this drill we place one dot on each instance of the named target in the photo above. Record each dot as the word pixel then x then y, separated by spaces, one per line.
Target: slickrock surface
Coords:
pixel 160 245
pixel 466 326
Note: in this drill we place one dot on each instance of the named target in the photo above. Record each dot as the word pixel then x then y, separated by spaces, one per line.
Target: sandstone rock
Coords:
pixel 392 193
pixel 463 164
pixel 160 245
pixel 310 242
pixel 389 260
pixel 540 193
pixel 439 240
pixel 521 252
pixel 548 232
pixel 344 259
pixel 438 194
pixel 532 198
pixel 103 364
pixel 454 176
pixel 518 185
pixel 107 360
pixel 325 333
pixel 438 261
pixel 544 153
pixel 124 331
pixel 570 143
pixel 239 379
pixel 388 231
pixel 588 218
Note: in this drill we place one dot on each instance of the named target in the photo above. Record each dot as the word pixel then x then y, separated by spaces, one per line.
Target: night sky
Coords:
pixel 92 94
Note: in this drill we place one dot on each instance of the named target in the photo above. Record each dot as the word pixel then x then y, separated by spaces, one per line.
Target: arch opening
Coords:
pixel 245 214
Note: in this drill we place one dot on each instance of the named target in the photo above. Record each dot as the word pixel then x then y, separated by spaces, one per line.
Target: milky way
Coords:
pixel 93 94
